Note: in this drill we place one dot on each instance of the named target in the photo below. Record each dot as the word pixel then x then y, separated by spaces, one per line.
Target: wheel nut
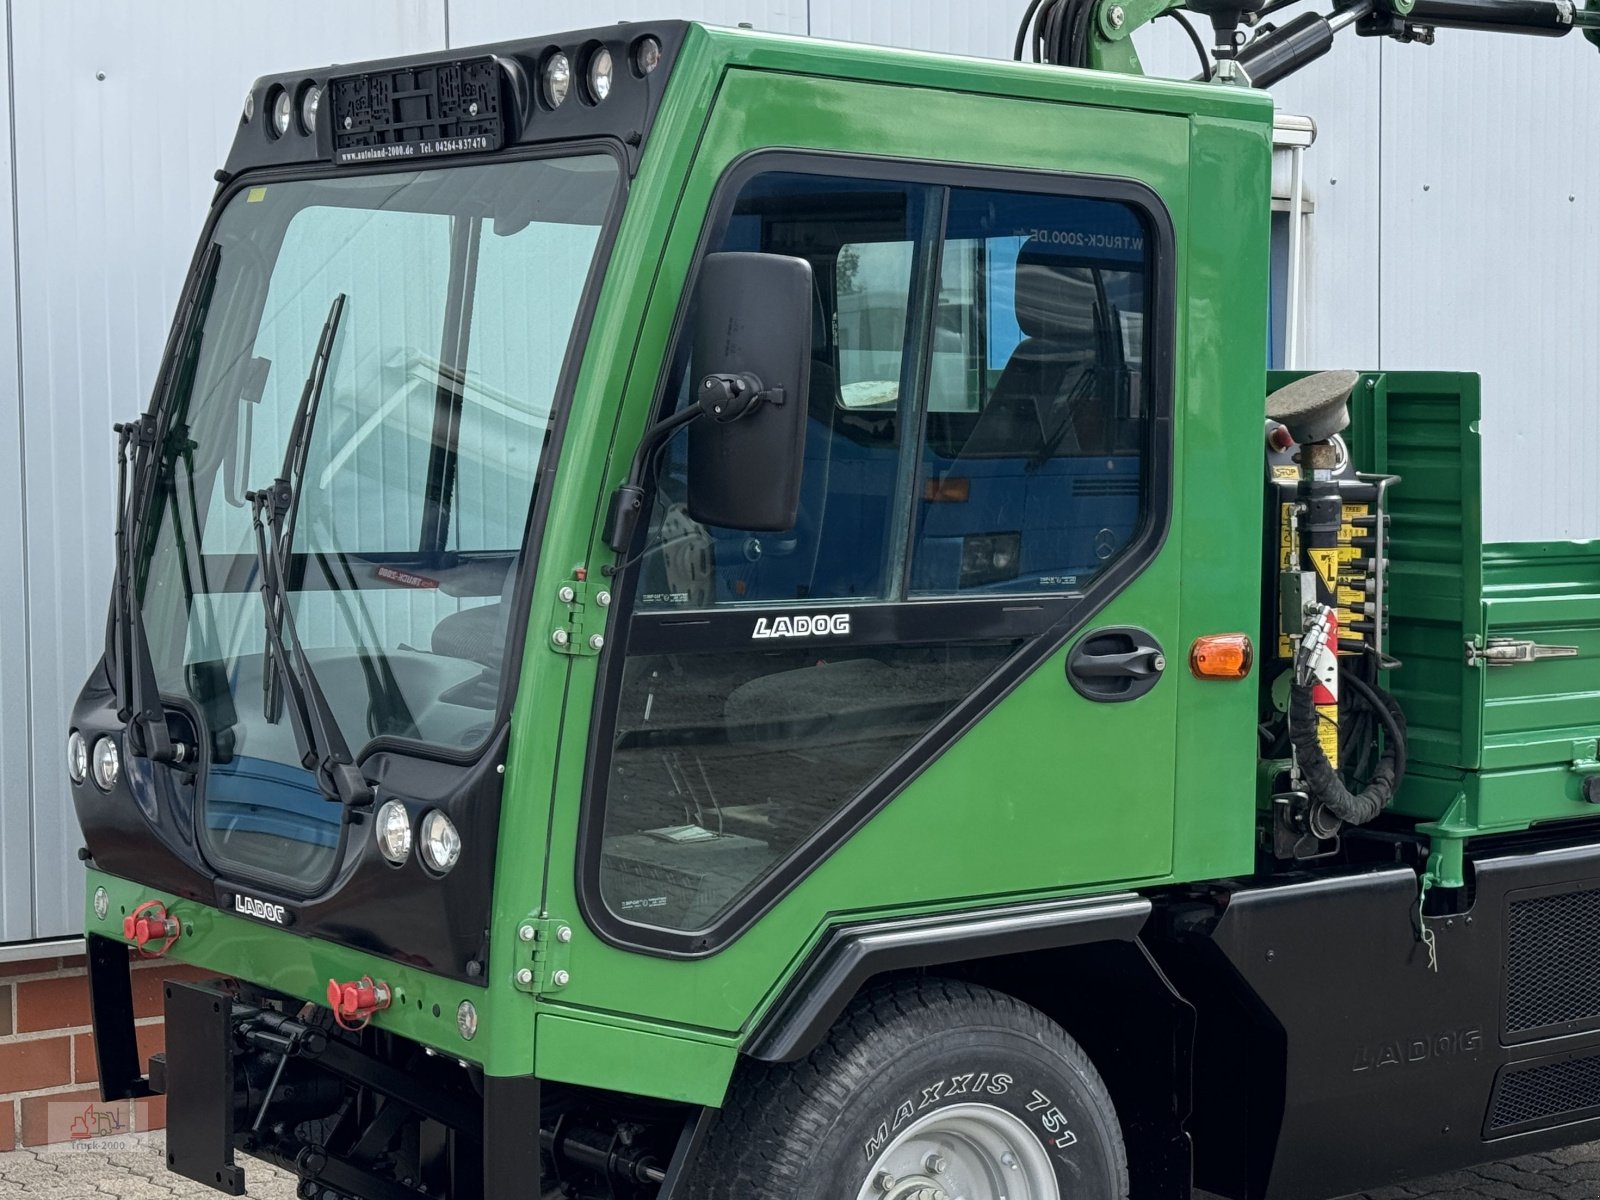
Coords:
pixel 935 1164
pixel 885 1181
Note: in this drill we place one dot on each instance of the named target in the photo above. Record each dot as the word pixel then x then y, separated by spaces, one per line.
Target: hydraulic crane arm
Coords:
pixel 1249 50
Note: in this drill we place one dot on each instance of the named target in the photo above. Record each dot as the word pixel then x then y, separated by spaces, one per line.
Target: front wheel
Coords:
pixel 925 1090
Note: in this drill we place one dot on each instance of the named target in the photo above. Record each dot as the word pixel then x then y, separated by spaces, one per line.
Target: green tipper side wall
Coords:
pixel 1017 808
pixel 1492 749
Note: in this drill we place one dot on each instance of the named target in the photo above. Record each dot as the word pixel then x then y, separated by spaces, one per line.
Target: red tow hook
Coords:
pixel 354 1003
pixel 151 922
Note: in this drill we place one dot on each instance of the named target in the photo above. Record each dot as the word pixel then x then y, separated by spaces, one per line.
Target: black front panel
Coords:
pixel 396 105
pixel 1337 1053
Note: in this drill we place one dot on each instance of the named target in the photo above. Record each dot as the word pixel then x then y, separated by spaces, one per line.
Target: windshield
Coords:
pixel 437 308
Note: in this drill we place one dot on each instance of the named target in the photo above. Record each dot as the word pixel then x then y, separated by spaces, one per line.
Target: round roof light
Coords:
pixel 600 69
pixel 249 107
pixel 393 831
pixel 557 79
pixel 646 55
pixel 310 101
pixel 282 112
pixel 441 844
pixel 77 757
pixel 106 766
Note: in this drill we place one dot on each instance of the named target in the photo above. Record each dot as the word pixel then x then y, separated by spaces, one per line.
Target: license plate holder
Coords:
pixel 199 1083
pixel 420 111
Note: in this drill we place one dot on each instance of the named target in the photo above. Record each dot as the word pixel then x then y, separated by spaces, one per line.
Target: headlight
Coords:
pixel 557 79
pixel 441 844
pixel 77 757
pixel 107 764
pixel 600 74
pixel 310 99
pixel 646 55
pixel 282 112
pixel 393 829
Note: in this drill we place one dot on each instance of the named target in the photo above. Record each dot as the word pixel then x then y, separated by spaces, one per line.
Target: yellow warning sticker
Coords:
pixel 255 195
pixel 1328 732
pixel 1326 561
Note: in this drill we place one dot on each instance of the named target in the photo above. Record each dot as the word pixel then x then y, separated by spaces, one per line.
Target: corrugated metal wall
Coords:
pixel 1479 261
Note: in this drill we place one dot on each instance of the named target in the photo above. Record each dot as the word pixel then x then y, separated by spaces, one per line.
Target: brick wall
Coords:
pixel 47 1050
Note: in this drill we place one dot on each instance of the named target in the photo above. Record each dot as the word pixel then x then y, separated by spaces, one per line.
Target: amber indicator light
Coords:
pixel 956 490
pixel 1221 656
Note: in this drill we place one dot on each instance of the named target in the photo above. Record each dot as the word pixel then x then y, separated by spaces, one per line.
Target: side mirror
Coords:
pixel 751 367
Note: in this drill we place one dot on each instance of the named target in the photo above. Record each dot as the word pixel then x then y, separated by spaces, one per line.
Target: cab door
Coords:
pixel 948 679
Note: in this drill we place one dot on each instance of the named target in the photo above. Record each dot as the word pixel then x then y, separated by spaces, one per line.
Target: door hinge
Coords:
pixel 578 618
pixel 544 946
pixel 1508 652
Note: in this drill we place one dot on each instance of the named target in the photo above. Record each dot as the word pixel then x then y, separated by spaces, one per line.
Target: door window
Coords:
pixel 1032 469
pixel 978 425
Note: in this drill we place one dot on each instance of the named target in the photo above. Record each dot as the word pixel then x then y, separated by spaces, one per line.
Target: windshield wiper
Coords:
pixel 138 691
pixel 323 749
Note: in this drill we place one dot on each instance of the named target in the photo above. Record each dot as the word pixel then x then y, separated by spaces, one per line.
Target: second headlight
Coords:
pixel 557 79
pixel 600 69
pixel 441 844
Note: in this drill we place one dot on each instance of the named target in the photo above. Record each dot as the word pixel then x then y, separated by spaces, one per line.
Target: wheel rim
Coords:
pixel 964 1152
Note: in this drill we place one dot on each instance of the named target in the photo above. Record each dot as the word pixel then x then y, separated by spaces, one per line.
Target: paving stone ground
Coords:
pixel 140 1174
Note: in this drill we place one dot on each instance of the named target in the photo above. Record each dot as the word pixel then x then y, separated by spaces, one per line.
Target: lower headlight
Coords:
pixel 393 831
pixel 77 757
pixel 441 844
pixel 107 764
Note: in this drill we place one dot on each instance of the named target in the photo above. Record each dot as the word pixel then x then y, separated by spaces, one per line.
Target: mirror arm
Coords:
pixel 723 398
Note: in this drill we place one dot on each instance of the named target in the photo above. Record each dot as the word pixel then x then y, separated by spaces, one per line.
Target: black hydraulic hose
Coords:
pixel 1022 30
pixel 1323 783
pixel 1194 39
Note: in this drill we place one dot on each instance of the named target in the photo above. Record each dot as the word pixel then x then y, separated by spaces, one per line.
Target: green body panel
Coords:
pixel 240 948
pixel 1027 803
pixel 1024 805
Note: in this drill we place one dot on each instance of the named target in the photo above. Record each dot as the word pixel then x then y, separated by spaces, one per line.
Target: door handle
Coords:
pixel 1114 664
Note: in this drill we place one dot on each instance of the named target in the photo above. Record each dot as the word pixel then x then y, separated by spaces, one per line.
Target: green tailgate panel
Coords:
pixel 1492 748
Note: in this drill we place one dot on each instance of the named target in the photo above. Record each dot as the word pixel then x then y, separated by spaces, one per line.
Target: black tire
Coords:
pixel 820 1129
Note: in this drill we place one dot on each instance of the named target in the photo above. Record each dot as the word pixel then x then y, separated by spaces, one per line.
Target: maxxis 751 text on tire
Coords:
pixel 926 1089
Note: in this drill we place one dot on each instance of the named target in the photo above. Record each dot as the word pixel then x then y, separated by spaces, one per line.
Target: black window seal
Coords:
pixel 566 382
pixel 1055 617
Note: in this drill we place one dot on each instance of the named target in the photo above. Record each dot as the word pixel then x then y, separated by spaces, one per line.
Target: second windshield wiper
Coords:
pixel 323 749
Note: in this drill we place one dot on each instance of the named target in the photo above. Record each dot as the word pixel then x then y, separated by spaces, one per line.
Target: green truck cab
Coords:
pixel 695 616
